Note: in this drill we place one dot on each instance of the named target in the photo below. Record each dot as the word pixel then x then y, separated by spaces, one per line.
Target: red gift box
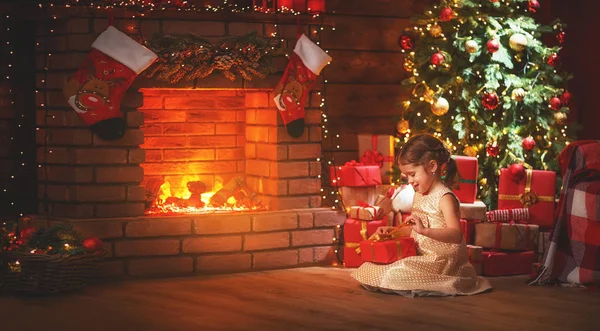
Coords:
pixel 507 263
pixel 356 231
pixel 387 251
pixel 468 168
pixel 535 191
pixel 468 227
pixel 355 175
pixel 377 150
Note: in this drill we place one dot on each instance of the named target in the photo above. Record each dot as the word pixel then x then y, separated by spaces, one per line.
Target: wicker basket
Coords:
pixel 40 274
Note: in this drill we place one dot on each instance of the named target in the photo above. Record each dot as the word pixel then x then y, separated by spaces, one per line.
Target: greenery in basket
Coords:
pixel 189 57
pixel 56 239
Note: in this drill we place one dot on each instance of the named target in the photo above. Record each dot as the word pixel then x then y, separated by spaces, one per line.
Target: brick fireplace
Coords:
pixel 213 133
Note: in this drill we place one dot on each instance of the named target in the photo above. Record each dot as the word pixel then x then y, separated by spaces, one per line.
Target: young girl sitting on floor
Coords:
pixel 441 267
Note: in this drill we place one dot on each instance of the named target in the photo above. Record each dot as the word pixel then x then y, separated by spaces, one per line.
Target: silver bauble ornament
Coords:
pixel 518 42
pixel 471 46
pixel 440 106
pixel 518 94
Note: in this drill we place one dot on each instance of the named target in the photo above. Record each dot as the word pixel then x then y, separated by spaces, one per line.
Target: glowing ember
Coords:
pixel 189 196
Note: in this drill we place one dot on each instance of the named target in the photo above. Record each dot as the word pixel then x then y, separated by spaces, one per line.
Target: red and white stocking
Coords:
pixel 96 90
pixel 306 63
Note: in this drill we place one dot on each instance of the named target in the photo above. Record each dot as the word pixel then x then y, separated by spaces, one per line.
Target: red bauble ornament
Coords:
pixel 552 59
pixel 534 5
pixel 490 100
pixel 493 46
pixel 437 59
pixel 492 149
pixel 516 172
pixel 555 103
pixel 406 42
pixel 560 37
pixel 528 143
pixel 446 14
pixel 566 98
pixel 92 244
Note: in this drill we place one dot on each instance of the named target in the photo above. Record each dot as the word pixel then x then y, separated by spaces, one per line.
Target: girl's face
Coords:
pixel 419 176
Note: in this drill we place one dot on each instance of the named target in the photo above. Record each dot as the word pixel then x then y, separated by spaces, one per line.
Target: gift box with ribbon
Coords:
pixel 468 228
pixel 535 192
pixel 507 236
pixel 468 168
pixel 366 213
pixel 377 150
pixel 507 215
pixel 355 174
pixel 385 250
pixel 507 263
pixel 356 231
pixel 476 258
pixel 473 211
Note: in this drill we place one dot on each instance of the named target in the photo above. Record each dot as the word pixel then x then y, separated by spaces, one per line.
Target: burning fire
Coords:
pixel 190 196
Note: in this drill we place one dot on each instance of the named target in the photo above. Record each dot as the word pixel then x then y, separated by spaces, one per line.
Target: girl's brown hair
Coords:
pixel 422 148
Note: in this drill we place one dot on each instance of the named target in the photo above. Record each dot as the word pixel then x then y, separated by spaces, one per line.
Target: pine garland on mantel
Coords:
pixel 189 57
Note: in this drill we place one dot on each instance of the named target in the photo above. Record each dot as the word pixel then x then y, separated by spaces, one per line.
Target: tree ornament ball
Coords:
pixel 492 149
pixel 555 103
pixel 528 143
pixel 402 126
pixel 552 60
pixel 446 14
pixel 518 94
pixel 470 151
pixel 516 172
pixel 493 45
pixel 518 42
pixel 534 5
pixel 490 100
pixel 437 59
pixel 440 106
pixel 92 244
pixel 435 30
pixel 560 118
pixel 471 46
pixel 566 98
pixel 406 42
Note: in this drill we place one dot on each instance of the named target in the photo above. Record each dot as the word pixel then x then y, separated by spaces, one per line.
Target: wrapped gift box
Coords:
pixel 507 215
pixel 476 258
pixel 506 236
pixel 468 229
pixel 387 251
pixel 473 211
pixel 366 213
pixel 468 168
pixel 355 175
pixel 356 231
pixel 507 263
pixel 535 191
pixel 377 150
pixel 354 196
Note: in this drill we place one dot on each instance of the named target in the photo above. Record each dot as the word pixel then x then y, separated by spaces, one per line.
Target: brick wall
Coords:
pixel 204 244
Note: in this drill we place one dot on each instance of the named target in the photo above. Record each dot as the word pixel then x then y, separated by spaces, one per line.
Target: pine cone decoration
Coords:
pixel 223 62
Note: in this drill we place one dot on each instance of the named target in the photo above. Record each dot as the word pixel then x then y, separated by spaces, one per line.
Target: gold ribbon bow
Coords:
pixel 527 198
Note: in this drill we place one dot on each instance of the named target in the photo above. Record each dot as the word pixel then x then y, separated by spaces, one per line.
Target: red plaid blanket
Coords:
pixel 574 252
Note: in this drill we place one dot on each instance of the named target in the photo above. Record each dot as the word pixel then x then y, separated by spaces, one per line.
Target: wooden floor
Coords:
pixel 298 299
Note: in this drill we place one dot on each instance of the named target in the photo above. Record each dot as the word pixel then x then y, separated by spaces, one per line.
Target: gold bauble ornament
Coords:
pixel 402 126
pixel 470 151
pixel 518 94
pixel 459 80
pixel 560 118
pixel 440 106
pixel 518 42
pixel 471 46
pixel 435 30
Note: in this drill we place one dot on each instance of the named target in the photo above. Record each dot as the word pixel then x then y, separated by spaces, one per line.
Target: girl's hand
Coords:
pixel 415 223
pixel 383 230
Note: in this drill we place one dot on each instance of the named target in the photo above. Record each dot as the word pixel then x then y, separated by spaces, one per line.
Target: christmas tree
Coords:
pixel 483 82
